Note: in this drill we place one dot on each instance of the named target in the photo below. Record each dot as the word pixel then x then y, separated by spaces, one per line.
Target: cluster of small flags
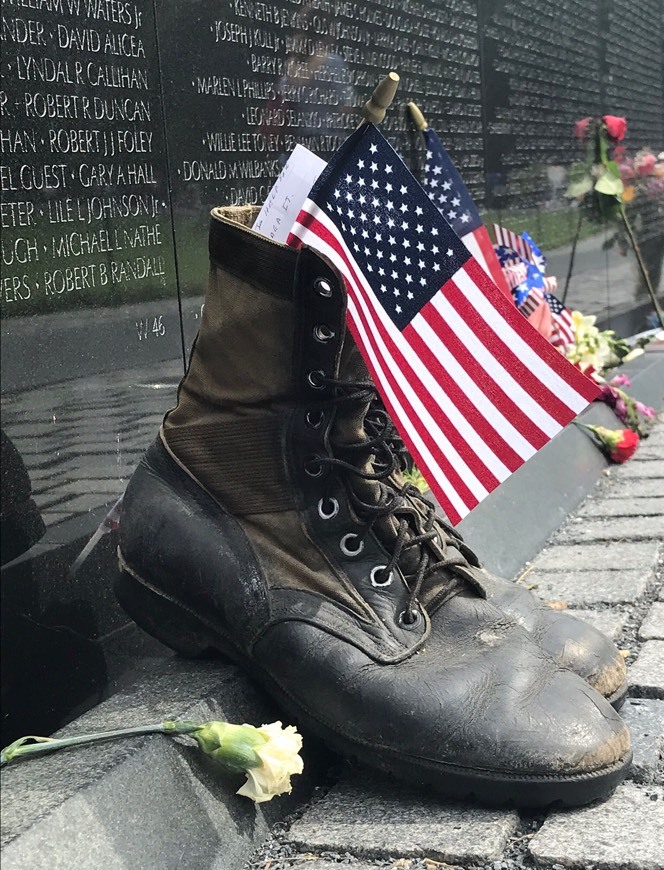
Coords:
pixel 524 266
pixel 472 388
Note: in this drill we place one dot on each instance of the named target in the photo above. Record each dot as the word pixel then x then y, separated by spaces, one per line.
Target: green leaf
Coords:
pixel 609 185
pixel 612 167
pixel 579 188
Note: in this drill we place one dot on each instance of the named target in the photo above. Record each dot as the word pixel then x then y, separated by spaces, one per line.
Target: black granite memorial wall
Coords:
pixel 125 121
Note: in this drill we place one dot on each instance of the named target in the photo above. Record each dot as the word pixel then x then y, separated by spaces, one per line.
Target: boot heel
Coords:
pixel 163 618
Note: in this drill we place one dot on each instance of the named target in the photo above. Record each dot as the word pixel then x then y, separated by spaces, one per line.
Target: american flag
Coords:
pixel 450 195
pixel 563 328
pixel 514 269
pixel 514 242
pixel 472 388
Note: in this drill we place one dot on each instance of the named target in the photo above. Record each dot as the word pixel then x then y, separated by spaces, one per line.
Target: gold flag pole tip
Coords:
pixel 418 118
pixel 374 109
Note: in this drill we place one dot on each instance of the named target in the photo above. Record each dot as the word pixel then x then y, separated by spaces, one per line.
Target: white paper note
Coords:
pixel 288 194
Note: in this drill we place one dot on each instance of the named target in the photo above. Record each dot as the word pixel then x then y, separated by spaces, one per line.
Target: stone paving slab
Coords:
pixel 640 488
pixel 609 622
pixel 624 833
pixel 629 507
pixel 303 862
pixel 579 557
pixel 370 816
pixel 640 528
pixel 652 627
pixel 636 470
pixel 645 719
pixel 646 675
pixel 585 588
pixel 648 451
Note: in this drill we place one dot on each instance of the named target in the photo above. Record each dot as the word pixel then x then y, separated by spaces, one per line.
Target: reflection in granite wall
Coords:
pixel 123 123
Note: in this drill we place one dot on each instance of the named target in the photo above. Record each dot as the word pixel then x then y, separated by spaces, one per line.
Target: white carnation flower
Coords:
pixel 279 761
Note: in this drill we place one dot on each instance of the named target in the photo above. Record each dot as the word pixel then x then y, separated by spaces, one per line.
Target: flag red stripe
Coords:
pixel 549 355
pixel 486 478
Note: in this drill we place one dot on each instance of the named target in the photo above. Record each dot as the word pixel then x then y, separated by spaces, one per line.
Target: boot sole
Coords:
pixel 187 633
pixel 618 698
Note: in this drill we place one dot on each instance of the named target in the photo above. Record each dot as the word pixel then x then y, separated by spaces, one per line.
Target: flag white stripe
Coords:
pixel 473 246
pixel 492 415
pixel 540 369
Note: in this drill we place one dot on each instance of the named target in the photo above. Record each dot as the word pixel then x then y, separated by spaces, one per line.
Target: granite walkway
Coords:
pixel 607 564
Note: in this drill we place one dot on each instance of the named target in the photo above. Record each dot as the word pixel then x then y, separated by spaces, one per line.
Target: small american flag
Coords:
pixel 514 242
pixel 563 328
pixel 450 195
pixel 472 388
pixel 514 269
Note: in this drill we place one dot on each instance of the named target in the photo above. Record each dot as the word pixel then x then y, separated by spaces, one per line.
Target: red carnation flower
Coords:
pixel 618 444
pixel 625 447
pixel 615 127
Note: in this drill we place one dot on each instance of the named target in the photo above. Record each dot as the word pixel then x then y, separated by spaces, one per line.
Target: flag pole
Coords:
pixel 375 107
pixel 418 118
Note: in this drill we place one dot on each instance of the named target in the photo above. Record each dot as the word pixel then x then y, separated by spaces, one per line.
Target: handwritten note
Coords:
pixel 288 194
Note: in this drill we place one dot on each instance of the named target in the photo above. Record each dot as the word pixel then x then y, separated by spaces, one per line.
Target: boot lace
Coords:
pixel 376 458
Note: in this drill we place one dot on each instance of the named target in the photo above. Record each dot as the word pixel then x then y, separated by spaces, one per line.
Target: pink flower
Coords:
pixel 620 409
pixel 620 381
pixel 646 410
pixel 581 128
pixel 645 164
pixel 626 172
pixel 615 127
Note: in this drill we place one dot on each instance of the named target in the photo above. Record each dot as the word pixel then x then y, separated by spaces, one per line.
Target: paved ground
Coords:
pixel 606 563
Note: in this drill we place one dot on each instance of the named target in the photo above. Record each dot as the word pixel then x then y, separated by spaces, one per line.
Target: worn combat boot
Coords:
pixel 261 524
pixel 572 642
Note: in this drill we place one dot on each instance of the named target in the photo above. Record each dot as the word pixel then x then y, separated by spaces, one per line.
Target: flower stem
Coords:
pixel 642 265
pixel 572 255
pixel 42 745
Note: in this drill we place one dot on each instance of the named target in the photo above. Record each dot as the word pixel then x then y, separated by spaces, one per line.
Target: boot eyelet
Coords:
pixel 314 419
pixel 375 577
pixel 333 508
pixel 313 466
pixel 409 619
pixel 323 287
pixel 315 379
pixel 349 551
pixel 323 333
